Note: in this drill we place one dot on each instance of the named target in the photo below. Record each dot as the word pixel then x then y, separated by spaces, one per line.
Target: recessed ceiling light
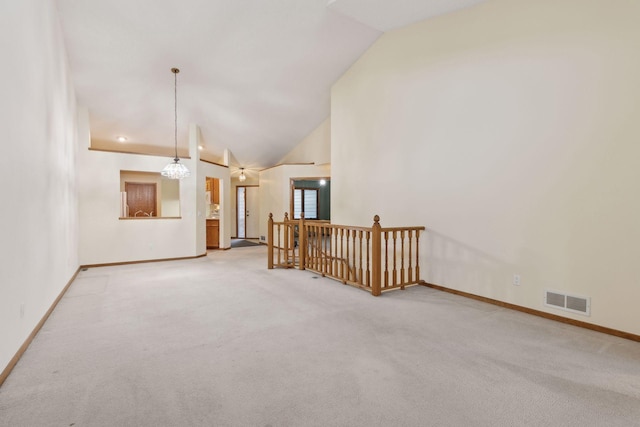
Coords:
pixel 200 147
pixel 121 139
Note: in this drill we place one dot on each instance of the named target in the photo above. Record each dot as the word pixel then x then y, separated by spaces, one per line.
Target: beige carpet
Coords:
pixel 222 341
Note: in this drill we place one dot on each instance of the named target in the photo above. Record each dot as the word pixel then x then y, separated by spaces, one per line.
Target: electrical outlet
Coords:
pixel 516 279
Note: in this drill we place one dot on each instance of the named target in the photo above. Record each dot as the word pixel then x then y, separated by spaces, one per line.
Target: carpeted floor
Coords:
pixel 222 341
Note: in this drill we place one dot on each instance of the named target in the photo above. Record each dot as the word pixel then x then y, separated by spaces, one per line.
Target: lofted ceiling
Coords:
pixel 255 75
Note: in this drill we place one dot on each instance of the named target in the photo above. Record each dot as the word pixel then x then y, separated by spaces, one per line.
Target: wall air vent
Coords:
pixel 572 303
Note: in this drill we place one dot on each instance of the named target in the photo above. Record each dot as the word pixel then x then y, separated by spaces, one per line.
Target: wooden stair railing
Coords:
pixel 372 258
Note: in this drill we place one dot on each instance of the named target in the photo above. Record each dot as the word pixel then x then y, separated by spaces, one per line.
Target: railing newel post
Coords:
pixel 376 256
pixel 270 242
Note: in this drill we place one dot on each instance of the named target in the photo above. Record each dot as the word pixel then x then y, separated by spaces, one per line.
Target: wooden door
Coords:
pixel 141 199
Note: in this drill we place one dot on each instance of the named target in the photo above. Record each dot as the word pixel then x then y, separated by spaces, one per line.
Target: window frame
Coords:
pixel 292 181
pixel 303 202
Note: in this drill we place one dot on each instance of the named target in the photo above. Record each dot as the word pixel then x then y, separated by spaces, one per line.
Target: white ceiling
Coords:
pixel 255 74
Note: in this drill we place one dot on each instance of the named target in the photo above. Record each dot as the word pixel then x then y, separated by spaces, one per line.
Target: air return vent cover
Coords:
pixel 572 303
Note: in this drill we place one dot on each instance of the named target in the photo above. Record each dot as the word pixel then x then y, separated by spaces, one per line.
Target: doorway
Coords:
pixel 247 212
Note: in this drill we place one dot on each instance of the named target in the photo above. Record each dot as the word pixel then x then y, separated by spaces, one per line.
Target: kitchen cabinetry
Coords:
pixel 213 233
pixel 141 199
pixel 213 187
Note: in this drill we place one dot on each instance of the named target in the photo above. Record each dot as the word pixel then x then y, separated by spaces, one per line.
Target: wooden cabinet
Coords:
pixel 215 191
pixel 213 233
pixel 141 199
pixel 213 186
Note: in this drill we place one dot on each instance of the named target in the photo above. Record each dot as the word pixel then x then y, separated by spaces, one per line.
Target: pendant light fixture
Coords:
pixel 242 176
pixel 175 170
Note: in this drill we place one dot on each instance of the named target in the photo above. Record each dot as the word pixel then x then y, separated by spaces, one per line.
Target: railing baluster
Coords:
pixel 303 249
pixel 293 242
pixel 318 264
pixel 353 255
pixel 348 264
pixel 402 282
pixel 360 258
pixel 327 250
pixel 270 242
pixel 318 241
pixel 319 248
pixel 395 256
pixel 386 259
pixel 417 257
pixel 334 253
pixel 410 257
pixel 286 239
pixel 279 246
pixel 314 251
pixel 330 260
pixel 368 247
pixel 338 258
pixel 323 252
pixel 342 255
pixel 310 251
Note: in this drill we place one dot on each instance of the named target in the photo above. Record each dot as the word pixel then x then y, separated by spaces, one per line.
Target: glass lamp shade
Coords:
pixel 242 177
pixel 175 170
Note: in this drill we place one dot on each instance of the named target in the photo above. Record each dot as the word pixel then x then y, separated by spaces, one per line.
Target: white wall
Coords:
pixel 104 238
pixel 314 148
pixel 275 189
pixel 38 254
pixel 510 130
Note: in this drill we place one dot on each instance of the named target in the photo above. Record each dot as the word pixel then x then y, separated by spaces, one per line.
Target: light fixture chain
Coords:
pixel 175 169
pixel 175 110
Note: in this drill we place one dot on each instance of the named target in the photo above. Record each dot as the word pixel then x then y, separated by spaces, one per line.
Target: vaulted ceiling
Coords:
pixel 255 74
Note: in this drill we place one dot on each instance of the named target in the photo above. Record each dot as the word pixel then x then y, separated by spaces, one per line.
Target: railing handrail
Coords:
pixel 351 227
pixel 373 258
pixel 414 228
